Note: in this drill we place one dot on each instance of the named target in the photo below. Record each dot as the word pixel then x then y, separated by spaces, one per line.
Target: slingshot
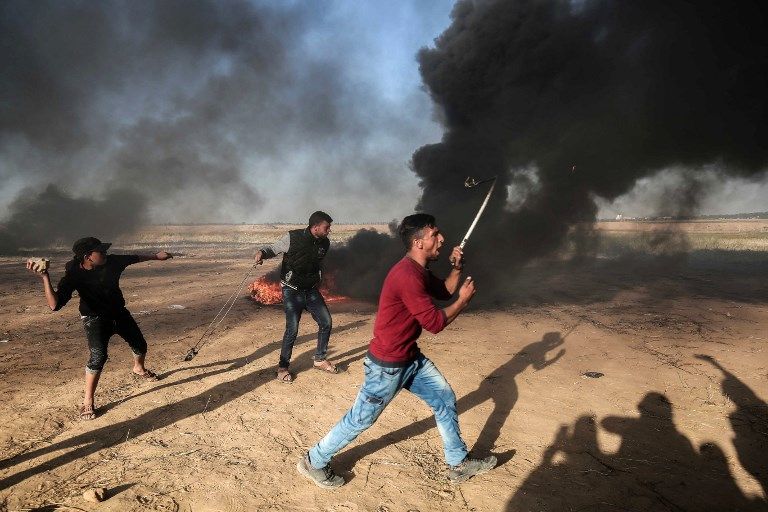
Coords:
pixel 230 302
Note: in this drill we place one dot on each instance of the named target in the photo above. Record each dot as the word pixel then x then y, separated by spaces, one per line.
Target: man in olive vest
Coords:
pixel 300 276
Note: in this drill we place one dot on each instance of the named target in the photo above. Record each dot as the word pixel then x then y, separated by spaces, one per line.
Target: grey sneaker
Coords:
pixel 469 468
pixel 324 477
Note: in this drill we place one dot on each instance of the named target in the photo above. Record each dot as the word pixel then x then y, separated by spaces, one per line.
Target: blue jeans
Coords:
pixel 295 302
pixel 423 379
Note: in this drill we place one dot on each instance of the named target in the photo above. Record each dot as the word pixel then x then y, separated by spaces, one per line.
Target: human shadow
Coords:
pixel 109 436
pixel 499 387
pixel 227 366
pixel 656 468
pixel 749 423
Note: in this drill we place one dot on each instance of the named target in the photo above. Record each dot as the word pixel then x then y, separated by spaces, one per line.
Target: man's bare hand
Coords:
pixel 38 265
pixel 259 258
pixel 162 256
pixel 467 290
pixel 457 258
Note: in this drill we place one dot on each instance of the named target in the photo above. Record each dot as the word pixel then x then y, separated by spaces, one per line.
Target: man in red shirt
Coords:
pixel 394 361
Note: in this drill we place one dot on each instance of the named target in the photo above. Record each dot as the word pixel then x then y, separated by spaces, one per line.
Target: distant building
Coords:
pixel 619 217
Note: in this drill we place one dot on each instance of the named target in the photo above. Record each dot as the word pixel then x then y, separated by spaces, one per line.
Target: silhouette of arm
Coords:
pixel 543 363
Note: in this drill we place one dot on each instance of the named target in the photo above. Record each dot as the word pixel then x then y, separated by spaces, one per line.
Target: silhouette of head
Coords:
pixel 655 405
pixel 551 340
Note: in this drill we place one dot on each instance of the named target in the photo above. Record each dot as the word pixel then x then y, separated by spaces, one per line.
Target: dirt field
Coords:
pixel 678 420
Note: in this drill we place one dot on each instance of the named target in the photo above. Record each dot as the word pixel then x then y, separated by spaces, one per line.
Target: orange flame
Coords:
pixel 264 291
pixel 326 290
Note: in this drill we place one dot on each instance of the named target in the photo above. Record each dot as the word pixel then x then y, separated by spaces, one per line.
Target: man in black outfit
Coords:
pixel 95 276
pixel 300 276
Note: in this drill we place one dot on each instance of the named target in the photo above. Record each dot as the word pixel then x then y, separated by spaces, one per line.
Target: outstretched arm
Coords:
pixel 160 256
pixel 270 251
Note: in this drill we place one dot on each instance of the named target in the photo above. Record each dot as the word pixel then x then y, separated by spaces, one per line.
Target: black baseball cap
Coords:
pixel 87 245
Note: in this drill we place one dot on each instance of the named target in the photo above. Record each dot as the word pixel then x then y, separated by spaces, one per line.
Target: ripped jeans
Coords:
pixel 423 379
pixel 98 330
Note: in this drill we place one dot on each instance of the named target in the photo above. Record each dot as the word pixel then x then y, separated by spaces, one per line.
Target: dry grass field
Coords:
pixel 729 235
pixel 237 234
pixel 676 419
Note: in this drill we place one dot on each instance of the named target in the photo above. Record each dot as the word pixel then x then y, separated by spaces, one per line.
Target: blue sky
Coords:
pixel 377 44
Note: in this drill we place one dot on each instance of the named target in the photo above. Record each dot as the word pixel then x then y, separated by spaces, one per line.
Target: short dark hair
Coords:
pixel 413 226
pixel 318 217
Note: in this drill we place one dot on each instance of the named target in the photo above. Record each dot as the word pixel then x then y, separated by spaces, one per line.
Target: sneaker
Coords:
pixel 324 477
pixel 469 468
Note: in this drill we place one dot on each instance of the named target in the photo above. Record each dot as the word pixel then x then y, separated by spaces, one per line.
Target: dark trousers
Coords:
pixel 98 330
pixel 295 302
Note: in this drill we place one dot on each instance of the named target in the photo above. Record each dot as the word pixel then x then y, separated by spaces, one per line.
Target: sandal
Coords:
pixel 325 366
pixel 87 412
pixel 283 375
pixel 148 375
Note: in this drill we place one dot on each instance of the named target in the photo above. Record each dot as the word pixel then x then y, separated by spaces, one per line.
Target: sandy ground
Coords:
pixel 677 422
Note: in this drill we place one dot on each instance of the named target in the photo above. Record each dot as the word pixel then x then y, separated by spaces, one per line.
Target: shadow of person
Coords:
pixel 659 457
pixel 749 423
pixel 227 366
pixel 499 387
pixel 663 460
pixel 93 441
pixel 656 468
pixel 565 476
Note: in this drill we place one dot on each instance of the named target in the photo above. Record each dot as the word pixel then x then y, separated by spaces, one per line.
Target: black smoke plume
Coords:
pixel 32 213
pixel 360 266
pixel 586 97
pixel 158 103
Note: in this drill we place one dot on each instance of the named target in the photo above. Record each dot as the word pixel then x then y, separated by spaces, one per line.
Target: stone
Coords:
pixel 95 495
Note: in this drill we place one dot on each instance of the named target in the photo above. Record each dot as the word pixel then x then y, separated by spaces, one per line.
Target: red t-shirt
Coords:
pixel 405 307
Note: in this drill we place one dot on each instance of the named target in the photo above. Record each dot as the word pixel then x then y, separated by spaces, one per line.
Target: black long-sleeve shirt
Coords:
pixel 99 288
